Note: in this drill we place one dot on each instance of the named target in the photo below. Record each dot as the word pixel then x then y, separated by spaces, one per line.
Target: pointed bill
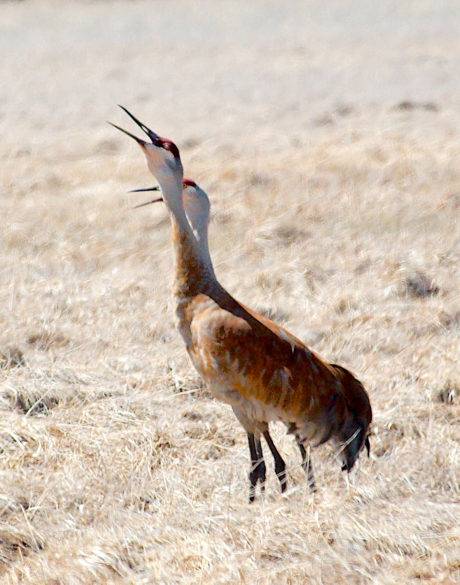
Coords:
pixel 150 133
pixel 141 142
pixel 148 203
pixel 143 190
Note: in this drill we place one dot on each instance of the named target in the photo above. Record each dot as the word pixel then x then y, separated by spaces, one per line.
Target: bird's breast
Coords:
pixel 189 309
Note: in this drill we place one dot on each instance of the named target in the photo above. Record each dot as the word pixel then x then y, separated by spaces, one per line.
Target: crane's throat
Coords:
pixel 193 273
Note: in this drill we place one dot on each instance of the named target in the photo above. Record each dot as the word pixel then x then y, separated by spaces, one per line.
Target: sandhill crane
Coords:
pixel 197 209
pixel 264 372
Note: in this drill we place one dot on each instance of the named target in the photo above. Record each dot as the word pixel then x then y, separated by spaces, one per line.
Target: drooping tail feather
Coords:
pixel 356 425
pixel 356 397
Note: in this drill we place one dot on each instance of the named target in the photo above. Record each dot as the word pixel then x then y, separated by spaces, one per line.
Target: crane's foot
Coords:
pixel 257 475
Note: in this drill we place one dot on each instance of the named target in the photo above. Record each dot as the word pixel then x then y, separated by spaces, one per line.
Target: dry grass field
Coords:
pixel 327 135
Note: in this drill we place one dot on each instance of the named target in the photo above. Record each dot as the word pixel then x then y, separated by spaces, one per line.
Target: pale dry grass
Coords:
pixel 328 141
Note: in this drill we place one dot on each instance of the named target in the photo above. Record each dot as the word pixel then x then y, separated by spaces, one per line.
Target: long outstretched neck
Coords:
pixel 200 232
pixel 194 272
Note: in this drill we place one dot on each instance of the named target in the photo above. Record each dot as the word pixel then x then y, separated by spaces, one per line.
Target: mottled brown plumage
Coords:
pixel 264 372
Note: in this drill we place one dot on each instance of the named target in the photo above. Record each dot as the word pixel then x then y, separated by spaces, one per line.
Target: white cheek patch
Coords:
pixel 160 156
pixel 154 160
pixel 169 158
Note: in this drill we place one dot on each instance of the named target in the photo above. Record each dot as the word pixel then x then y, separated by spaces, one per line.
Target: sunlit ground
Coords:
pixel 327 136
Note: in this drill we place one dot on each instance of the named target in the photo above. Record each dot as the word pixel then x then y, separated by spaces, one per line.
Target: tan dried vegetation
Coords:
pixel 328 139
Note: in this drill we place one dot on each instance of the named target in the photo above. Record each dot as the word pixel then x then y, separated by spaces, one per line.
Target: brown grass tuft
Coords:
pixel 12 357
pixel 420 285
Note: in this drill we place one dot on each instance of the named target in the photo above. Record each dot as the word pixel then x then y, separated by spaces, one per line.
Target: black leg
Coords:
pixel 307 467
pixel 280 465
pixel 261 467
pixel 258 471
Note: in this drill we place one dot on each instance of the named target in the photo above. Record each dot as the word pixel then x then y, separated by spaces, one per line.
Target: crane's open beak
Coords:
pixel 154 188
pixel 141 142
pixel 150 133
